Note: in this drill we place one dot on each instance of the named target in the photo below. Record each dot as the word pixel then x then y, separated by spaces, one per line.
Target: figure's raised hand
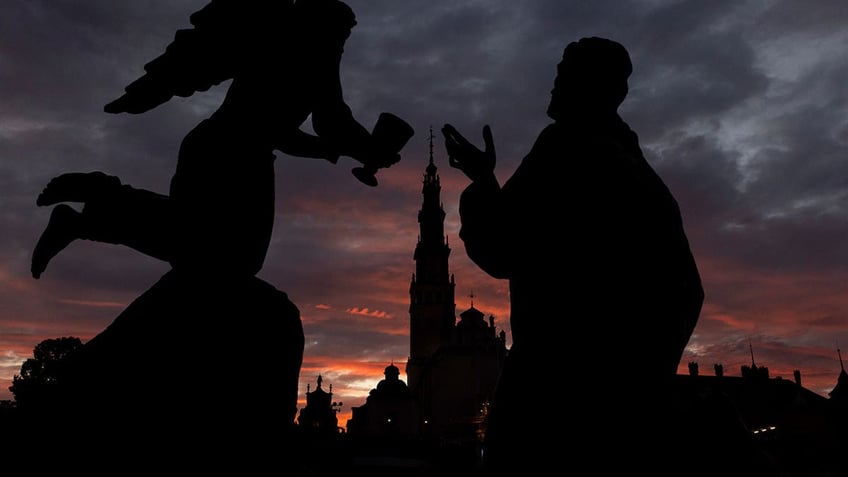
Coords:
pixel 462 155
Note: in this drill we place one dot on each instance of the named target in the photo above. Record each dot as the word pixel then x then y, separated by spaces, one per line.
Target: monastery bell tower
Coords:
pixel 432 311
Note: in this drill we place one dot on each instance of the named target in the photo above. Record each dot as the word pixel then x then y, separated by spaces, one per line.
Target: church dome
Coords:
pixel 391 372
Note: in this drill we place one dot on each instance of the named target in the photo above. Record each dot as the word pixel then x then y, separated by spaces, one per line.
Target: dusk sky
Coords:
pixel 740 106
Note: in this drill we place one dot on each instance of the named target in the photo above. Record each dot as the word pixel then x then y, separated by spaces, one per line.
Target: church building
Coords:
pixel 453 364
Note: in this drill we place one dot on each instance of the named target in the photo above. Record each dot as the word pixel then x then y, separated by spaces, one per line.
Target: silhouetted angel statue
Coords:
pixel 283 58
pixel 214 228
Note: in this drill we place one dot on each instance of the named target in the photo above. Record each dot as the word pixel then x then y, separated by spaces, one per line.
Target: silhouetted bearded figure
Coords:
pixel 604 290
pixel 210 317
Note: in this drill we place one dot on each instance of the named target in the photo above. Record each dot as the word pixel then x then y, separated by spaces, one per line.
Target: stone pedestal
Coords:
pixel 197 372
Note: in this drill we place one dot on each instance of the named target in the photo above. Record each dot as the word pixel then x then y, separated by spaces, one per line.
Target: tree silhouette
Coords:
pixel 42 374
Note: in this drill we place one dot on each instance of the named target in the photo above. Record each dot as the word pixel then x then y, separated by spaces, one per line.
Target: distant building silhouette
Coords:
pixel 839 393
pixel 801 430
pixel 319 415
pixel 453 364
pixel 390 410
pixel 320 446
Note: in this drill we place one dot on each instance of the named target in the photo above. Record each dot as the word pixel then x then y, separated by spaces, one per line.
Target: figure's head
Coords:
pixel 591 78
pixel 326 20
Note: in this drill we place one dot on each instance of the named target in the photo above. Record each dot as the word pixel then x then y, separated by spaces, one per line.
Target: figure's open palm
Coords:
pixel 468 158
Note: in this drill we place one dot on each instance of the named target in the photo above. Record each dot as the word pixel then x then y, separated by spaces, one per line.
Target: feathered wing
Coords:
pixel 202 56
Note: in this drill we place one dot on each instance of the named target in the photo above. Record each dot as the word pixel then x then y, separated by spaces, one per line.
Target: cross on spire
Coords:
pixel 751 347
pixel 431 143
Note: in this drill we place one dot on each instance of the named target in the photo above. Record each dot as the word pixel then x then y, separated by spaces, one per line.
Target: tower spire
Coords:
pixel 751 347
pixel 432 310
pixel 839 353
pixel 431 143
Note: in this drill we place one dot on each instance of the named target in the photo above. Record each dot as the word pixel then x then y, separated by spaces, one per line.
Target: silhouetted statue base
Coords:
pixel 197 372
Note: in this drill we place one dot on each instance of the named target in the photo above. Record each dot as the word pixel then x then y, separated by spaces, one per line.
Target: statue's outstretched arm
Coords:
pixel 300 143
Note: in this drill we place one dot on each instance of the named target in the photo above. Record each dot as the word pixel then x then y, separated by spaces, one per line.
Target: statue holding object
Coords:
pixel 213 227
pixel 284 59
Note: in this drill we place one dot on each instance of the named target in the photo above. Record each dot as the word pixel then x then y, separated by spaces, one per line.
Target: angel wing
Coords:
pixel 202 56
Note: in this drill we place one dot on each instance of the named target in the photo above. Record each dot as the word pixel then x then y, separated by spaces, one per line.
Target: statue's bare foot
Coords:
pixel 76 187
pixel 62 229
